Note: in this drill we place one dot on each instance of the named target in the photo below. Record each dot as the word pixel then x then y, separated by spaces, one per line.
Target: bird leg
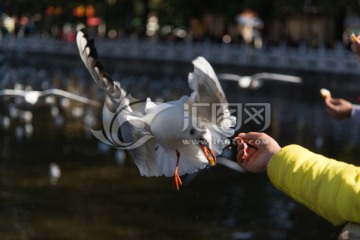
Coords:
pixel 177 179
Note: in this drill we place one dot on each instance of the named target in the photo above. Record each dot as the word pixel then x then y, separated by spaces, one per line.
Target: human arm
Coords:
pixel 339 108
pixel 355 113
pixel 328 187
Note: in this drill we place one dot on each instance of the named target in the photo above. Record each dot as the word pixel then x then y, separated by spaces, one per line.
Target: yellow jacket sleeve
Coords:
pixel 328 187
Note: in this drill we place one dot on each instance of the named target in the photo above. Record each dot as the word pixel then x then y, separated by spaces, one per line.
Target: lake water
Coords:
pixel 100 197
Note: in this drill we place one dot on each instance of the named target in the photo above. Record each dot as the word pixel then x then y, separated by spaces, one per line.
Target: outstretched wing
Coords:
pixel 140 144
pixel 277 77
pixel 12 92
pixel 62 93
pixel 210 102
pixel 205 84
pixel 89 57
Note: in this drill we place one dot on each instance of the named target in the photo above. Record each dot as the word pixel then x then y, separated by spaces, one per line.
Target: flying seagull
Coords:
pixel 173 138
pixel 256 81
pixel 33 96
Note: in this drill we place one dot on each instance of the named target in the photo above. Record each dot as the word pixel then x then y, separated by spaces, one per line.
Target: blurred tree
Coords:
pixel 334 7
pixel 118 14
pixel 179 12
pixel 130 14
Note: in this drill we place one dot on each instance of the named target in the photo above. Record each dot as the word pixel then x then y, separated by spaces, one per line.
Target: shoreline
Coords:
pixel 338 60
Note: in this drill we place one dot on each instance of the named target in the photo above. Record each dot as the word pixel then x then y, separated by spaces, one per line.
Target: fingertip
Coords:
pixel 238 140
pixel 241 135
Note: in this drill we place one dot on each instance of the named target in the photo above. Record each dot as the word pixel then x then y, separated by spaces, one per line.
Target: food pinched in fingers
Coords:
pixel 245 149
pixel 325 93
pixel 353 38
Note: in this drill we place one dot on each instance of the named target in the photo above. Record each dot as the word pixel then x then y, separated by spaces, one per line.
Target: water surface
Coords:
pixel 98 198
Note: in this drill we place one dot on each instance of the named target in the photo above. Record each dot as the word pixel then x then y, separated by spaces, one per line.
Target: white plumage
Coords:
pixel 172 138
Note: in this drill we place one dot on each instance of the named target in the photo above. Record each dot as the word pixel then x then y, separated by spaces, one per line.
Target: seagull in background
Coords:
pixel 256 81
pixel 54 173
pixel 171 138
pixel 33 96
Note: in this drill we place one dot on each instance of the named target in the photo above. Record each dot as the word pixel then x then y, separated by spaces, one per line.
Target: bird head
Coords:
pixel 201 136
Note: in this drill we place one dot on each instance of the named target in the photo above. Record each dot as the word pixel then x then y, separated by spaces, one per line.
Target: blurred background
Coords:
pixel 259 22
pixel 59 182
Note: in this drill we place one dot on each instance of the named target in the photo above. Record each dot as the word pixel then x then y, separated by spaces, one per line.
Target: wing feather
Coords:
pixel 12 92
pixel 89 57
pixel 138 141
pixel 207 89
pixel 205 84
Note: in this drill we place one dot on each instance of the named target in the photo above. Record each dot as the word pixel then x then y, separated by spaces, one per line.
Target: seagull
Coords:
pixel 54 173
pixel 33 96
pixel 173 138
pixel 256 81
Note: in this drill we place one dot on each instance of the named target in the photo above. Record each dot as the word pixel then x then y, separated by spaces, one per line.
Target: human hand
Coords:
pixel 338 108
pixel 255 150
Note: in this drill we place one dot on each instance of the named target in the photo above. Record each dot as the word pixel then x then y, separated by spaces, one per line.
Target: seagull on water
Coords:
pixel 33 96
pixel 172 138
pixel 256 81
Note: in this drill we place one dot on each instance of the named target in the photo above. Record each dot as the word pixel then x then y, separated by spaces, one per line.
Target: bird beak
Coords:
pixel 209 153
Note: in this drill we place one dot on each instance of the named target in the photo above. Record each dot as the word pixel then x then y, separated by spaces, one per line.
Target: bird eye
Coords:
pixel 192 131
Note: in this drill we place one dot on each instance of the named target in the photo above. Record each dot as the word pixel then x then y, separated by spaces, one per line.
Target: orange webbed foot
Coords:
pixel 177 179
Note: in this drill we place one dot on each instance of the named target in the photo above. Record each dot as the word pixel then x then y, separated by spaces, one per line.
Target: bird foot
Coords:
pixel 177 181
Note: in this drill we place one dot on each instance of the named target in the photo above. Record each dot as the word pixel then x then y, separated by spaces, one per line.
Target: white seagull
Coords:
pixel 256 81
pixel 54 173
pixel 33 96
pixel 172 138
